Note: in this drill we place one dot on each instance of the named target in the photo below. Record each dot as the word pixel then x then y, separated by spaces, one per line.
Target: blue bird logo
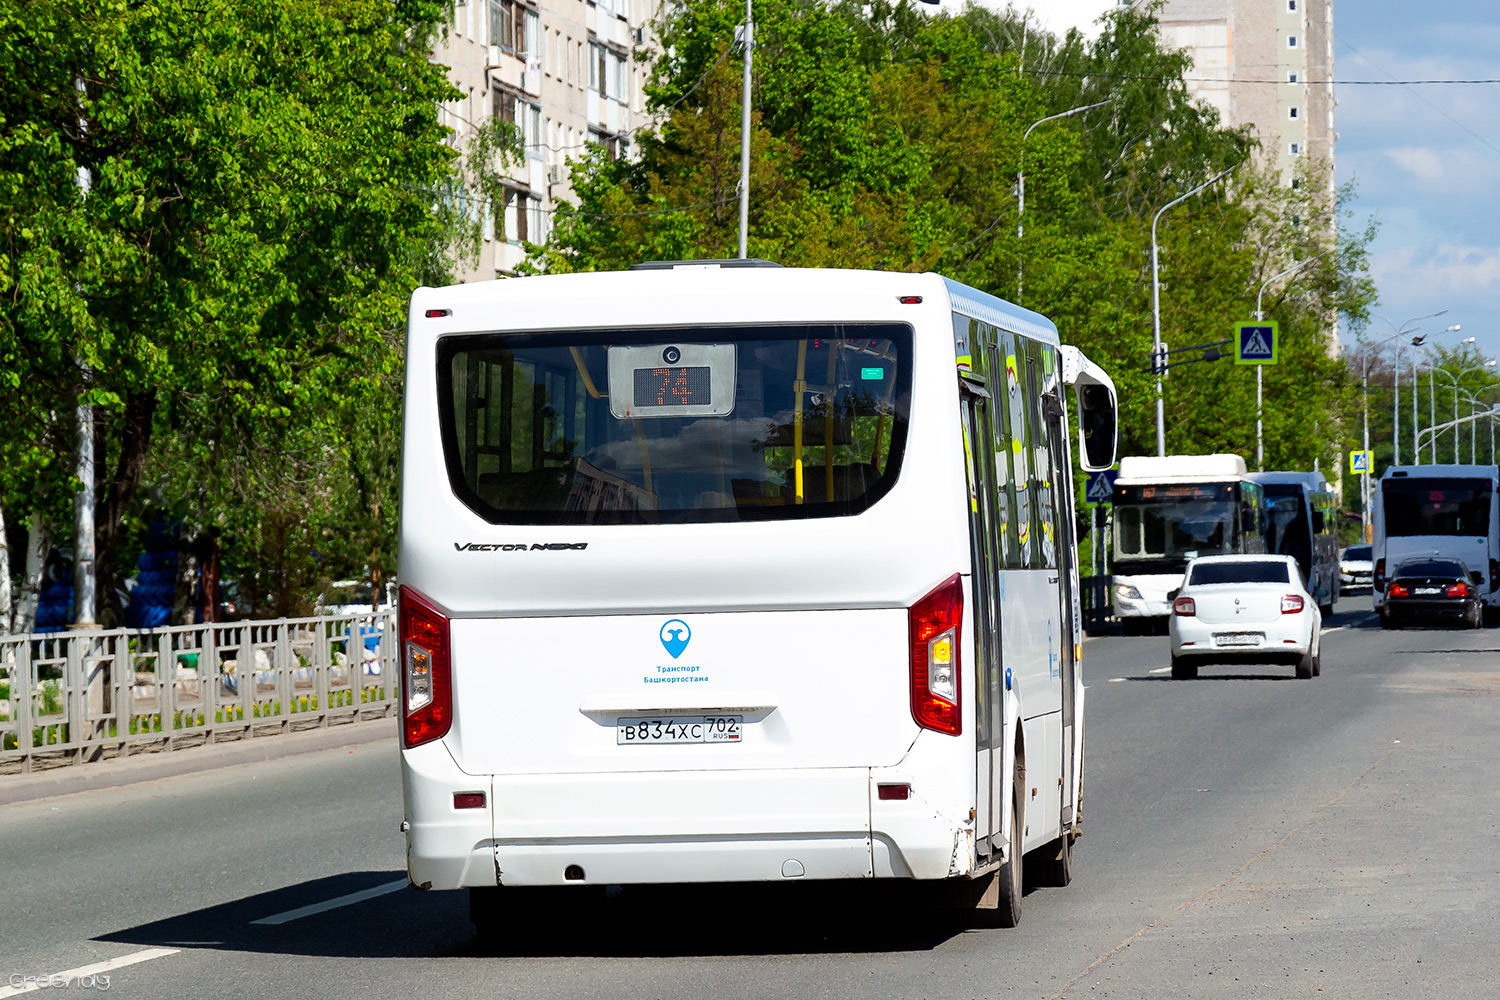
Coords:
pixel 675 636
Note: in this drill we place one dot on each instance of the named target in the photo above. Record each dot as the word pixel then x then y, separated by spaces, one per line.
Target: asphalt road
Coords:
pixel 1246 835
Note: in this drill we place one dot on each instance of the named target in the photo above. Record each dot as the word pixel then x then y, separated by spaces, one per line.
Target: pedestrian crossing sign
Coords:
pixel 1101 486
pixel 1256 343
pixel 1360 462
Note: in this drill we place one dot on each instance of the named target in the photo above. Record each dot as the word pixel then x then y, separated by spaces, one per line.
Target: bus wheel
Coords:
pixel 1053 865
pixel 1009 879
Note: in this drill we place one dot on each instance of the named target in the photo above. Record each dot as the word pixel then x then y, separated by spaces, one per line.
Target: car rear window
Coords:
pixel 1240 571
pixel 673 425
pixel 1432 567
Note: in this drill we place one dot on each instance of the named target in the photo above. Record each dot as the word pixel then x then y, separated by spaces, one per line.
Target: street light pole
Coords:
pixel 1260 317
pixel 1161 427
pixel 745 136
pixel 1401 331
pixel 1021 185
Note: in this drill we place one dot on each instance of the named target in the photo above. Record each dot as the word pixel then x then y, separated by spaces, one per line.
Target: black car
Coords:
pixel 1432 588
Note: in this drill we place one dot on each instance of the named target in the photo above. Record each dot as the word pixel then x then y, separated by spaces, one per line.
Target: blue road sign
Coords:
pixel 1101 486
pixel 1256 343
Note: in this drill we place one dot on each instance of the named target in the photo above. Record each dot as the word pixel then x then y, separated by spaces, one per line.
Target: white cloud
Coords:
pixel 1424 164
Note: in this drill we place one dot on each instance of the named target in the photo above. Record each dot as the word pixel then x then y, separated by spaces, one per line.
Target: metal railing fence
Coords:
pixel 74 697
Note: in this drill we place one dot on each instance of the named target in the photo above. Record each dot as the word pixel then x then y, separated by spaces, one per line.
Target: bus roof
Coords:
pixel 1490 472
pixel 1314 481
pixel 1180 468
pixel 691 292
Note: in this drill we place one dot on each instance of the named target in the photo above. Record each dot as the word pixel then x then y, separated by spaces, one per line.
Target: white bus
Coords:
pixel 1302 521
pixel 1169 510
pixel 1448 511
pixel 724 572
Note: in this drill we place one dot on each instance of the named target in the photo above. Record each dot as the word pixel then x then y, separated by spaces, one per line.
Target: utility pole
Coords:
pixel 83 501
pixel 749 38
pixel 1161 420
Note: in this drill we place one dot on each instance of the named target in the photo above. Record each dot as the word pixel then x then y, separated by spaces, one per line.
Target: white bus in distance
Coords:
pixel 724 572
pixel 1301 521
pixel 1169 510
pixel 1443 511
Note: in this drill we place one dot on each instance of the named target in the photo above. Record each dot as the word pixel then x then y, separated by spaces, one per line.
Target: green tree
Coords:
pixel 264 190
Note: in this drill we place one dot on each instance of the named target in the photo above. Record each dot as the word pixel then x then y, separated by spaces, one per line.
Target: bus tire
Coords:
pixel 1053 865
pixel 1009 880
pixel 1183 669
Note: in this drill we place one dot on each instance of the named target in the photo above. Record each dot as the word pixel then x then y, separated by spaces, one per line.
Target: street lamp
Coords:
pixel 1405 328
pixel 1431 403
pixel 1432 382
pixel 1021 184
pixel 1161 426
pixel 1260 316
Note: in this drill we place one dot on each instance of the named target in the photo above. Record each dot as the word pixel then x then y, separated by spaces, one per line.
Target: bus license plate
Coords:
pixel 681 729
pixel 1238 639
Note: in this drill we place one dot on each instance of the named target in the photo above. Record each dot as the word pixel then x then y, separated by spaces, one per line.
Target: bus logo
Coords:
pixel 675 636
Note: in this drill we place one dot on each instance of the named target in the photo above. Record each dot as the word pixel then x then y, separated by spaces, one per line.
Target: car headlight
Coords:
pixel 1126 591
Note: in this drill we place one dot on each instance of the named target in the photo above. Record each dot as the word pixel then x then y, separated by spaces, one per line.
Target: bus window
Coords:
pixel 1018 423
pixel 815 426
pixel 1045 554
pixel 1005 494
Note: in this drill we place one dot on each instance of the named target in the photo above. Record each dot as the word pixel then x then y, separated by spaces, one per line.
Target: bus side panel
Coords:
pixel 1032 637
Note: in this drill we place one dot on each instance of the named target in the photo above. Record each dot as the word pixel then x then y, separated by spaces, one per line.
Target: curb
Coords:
pixel 73 778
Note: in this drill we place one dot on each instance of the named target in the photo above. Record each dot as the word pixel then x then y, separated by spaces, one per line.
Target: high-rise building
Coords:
pixel 1266 63
pixel 564 71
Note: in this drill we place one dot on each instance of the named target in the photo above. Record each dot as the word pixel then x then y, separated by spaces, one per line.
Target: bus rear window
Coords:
pixel 702 424
pixel 1437 506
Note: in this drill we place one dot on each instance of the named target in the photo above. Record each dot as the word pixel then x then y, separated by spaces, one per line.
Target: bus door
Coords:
pixel 1067 575
pixel 984 547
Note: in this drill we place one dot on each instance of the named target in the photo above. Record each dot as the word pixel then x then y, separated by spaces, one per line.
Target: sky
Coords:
pixel 1425 160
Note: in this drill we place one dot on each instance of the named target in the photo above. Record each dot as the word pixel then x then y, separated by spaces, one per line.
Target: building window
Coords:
pixel 1291 112
pixel 1291 76
pixel 1296 183
pixel 1291 41
pixel 1294 148
pixel 609 142
pixel 1291 5
pixel 513 27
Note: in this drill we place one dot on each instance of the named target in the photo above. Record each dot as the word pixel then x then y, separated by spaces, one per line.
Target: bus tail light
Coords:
pixel 933 628
pixel 1379 579
pixel 1459 590
pixel 1494 575
pixel 426 681
pixel 1184 607
pixel 1291 604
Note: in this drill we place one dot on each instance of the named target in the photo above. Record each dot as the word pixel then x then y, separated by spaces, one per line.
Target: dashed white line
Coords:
pixel 332 904
pixel 69 976
pixel 1160 670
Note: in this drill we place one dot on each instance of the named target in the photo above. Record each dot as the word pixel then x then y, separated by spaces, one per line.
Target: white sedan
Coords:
pixel 1244 609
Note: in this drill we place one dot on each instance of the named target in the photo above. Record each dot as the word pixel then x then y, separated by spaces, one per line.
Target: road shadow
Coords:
pixel 1162 678
pixel 772 919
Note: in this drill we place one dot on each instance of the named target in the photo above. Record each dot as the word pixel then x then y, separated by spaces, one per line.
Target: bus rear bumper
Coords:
pixel 669 827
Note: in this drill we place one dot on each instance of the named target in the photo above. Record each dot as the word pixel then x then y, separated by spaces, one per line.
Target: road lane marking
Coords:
pixel 1117 680
pixel 88 970
pixel 332 904
pixel 1160 670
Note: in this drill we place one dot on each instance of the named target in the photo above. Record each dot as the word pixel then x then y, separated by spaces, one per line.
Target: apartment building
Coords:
pixel 564 71
pixel 1266 63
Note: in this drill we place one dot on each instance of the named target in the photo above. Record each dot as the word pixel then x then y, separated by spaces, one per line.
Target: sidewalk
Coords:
pixel 155 766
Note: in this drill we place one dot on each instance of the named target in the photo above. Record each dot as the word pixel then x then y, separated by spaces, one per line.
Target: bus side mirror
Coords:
pixel 1097 427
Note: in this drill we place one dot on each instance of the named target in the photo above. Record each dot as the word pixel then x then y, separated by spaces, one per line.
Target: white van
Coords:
pixel 724 572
